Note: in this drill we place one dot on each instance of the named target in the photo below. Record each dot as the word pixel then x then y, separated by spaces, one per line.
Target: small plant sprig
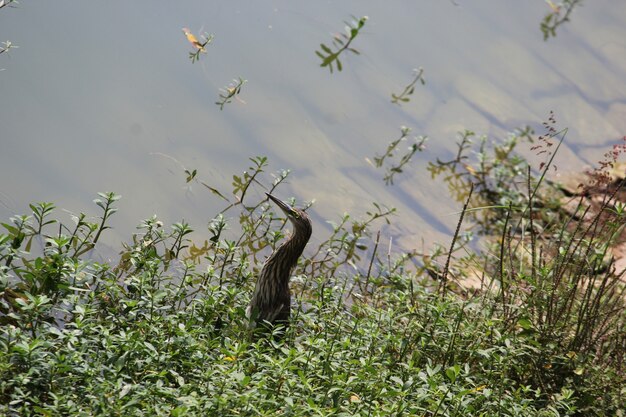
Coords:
pixel 342 42
pixel 200 46
pixel 558 15
pixel 231 91
pixel 418 145
pixel 191 175
pixel 379 160
pixel 9 3
pixel 106 204
pixel 403 97
pixel 546 141
pixel 6 45
pixel 242 183
pixel 601 176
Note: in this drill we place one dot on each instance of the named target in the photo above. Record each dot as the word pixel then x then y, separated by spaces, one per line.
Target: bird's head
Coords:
pixel 298 218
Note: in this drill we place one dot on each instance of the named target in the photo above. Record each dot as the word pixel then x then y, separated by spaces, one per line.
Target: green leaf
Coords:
pixel 453 372
pixel 10 228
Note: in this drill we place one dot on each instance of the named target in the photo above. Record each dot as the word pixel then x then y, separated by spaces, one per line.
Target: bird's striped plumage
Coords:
pixel 271 301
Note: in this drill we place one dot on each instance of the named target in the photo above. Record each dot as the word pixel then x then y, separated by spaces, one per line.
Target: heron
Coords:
pixel 271 300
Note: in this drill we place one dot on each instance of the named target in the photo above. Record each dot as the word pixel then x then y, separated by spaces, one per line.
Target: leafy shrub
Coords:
pixel 163 332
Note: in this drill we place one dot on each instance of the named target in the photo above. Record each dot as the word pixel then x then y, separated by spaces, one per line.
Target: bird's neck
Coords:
pixel 289 252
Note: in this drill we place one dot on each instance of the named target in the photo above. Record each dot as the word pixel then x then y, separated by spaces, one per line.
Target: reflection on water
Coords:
pixel 93 98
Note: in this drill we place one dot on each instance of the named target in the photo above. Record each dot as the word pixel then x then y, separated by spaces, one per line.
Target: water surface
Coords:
pixel 102 96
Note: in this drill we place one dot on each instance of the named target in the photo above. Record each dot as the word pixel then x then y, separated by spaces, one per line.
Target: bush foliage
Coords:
pixel 163 331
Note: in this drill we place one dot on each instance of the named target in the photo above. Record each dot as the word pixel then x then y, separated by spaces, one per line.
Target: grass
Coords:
pixel 163 331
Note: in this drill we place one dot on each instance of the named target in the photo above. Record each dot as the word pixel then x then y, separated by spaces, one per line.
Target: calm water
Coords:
pixel 102 96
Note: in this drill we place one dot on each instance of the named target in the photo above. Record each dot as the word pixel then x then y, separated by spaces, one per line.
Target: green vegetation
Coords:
pixel 163 332
pixel 7 3
pixel 7 45
pixel 200 46
pixel 228 93
pixel 530 323
pixel 392 168
pixel 558 15
pixel 409 89
pixel 341 42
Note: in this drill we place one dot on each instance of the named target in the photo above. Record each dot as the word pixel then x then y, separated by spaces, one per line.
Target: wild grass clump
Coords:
pixel 163 330
pixel 551 271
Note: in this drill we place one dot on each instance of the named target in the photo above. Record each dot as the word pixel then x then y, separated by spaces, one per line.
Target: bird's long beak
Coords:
pixel 283 206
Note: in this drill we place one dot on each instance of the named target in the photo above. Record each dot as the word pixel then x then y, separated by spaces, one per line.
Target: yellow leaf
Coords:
pixel 479 388
pixel 192 39
pixel 555 8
